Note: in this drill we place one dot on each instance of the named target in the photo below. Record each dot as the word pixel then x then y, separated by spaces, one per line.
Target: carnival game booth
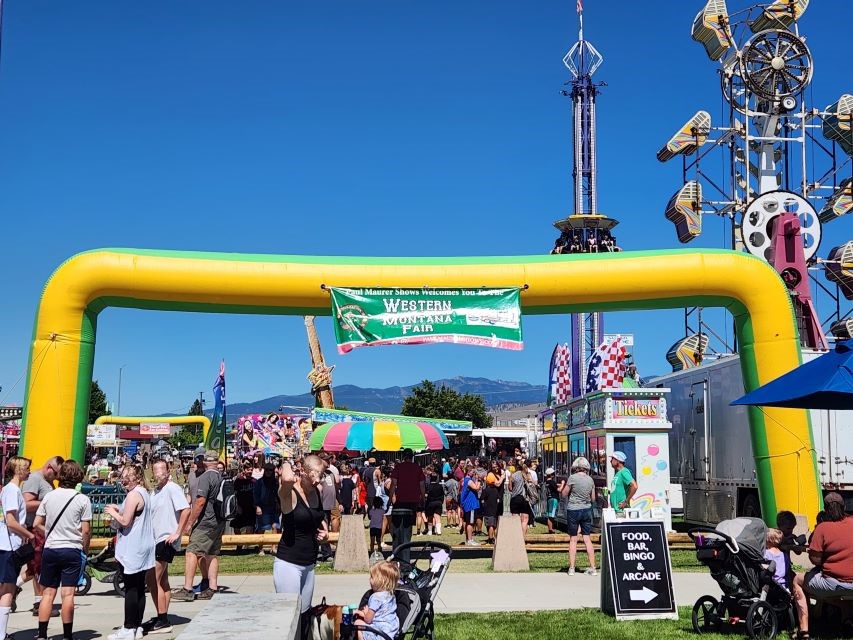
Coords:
pixel 630 420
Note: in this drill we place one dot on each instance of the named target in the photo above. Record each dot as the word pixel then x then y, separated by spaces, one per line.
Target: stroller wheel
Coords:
pixel 118 583
pixel 761 621
pixel 84 585
pixel 706 615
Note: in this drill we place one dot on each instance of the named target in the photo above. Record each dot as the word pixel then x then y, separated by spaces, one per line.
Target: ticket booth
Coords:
pixel 633 421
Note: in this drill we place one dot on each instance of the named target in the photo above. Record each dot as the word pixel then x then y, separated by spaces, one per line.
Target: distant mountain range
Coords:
pixel 390 400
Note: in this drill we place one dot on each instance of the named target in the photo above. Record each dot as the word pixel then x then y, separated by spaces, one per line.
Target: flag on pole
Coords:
pixel 560 376
pixel 215 438
pixel 580 6
pixel 607 366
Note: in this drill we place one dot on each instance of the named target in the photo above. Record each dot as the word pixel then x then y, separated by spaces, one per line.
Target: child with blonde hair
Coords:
pixel 773 552
pixel 380 612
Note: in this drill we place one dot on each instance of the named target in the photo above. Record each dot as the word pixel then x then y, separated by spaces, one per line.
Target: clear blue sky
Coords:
pixel 381 128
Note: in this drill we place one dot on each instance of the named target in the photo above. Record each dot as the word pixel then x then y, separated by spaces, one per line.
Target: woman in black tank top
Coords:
pixel 303 528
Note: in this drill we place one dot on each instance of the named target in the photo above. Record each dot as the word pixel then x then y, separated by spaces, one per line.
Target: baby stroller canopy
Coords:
pixel 750 535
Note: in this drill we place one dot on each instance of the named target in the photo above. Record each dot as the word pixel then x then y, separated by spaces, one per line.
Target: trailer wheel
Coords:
pixel 750 507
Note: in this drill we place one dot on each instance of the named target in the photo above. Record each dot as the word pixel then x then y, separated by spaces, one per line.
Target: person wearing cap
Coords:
pixel 623 486
pixel 553 497
pixel 197 469
pixel 580 490
pixel 205 529
pixel 831 553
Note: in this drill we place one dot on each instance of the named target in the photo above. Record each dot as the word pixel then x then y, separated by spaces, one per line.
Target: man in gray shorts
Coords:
pixel 205 529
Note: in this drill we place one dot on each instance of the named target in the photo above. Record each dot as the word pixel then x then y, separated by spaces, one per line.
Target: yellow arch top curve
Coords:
pixel 62 352
pixel 132 421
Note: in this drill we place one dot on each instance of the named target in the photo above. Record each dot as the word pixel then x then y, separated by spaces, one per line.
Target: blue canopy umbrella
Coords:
pixel 824 383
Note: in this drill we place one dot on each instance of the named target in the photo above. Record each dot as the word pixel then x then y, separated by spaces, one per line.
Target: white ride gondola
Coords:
pixel 836 124
pixel 685 211
pixel 688 138
pixel 779 15
pixel 711 28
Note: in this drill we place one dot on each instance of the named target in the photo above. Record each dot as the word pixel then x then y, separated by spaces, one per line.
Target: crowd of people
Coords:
pixel 48 524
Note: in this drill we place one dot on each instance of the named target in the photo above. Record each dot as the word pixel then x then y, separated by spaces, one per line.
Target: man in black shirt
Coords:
pixel 244 485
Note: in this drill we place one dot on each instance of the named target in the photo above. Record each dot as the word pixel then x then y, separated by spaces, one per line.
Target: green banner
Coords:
pixel 484 317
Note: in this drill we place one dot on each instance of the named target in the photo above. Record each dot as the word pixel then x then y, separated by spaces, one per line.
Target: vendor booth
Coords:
pixel 630 420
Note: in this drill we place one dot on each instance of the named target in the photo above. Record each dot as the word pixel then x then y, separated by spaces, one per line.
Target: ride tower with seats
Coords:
pixel 586 230
pixel 788 167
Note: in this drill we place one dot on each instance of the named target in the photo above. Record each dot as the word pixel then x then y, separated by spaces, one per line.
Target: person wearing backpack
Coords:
pixel 210 508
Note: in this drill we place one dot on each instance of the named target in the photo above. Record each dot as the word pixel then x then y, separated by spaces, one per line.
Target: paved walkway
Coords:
pixel 101 610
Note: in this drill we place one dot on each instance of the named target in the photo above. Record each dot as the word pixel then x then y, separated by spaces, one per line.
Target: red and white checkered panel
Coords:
pixel 563 374
pixel 613 366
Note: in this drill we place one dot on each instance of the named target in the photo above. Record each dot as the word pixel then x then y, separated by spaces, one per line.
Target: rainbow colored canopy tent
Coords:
pixel 380 435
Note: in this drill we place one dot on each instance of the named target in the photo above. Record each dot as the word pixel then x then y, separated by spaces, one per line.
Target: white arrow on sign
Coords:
pixel 645 594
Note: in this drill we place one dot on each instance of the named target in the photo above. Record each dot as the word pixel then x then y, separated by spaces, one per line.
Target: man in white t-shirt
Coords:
pixel 170 512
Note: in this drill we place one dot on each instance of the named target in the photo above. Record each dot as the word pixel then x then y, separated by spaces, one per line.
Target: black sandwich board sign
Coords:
pixel 636 581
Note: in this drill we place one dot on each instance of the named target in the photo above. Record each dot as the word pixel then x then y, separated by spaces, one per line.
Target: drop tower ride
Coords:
pixel 586 230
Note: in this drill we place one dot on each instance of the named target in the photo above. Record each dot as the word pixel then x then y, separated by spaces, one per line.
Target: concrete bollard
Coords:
pixel 351 551
pixel 510 553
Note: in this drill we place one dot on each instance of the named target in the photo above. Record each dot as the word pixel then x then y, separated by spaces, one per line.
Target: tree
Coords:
pixel 97 403
pixel 196 429
pixel 189 433
pixel 429 401
pixel 196 409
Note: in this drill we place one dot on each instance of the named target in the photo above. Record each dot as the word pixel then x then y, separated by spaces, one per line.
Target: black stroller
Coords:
pixel 734 553
pixel 420 579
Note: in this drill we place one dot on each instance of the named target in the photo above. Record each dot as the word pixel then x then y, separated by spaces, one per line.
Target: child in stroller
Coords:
pixel 734 552
pixel 420 579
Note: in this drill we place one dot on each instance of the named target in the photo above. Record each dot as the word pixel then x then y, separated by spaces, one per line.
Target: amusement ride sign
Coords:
pixel 484 317
pixel 637 574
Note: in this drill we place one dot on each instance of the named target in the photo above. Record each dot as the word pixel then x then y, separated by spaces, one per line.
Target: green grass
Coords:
pixel 580 624
pixel 251 563
pixel 586 624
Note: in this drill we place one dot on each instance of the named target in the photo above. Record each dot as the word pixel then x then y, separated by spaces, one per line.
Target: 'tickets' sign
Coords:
pixel 484 317
pixel 636 409
pixel 637 574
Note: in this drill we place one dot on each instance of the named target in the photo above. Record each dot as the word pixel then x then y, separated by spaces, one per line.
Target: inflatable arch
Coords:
pixel 63 347
pixel 135 421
